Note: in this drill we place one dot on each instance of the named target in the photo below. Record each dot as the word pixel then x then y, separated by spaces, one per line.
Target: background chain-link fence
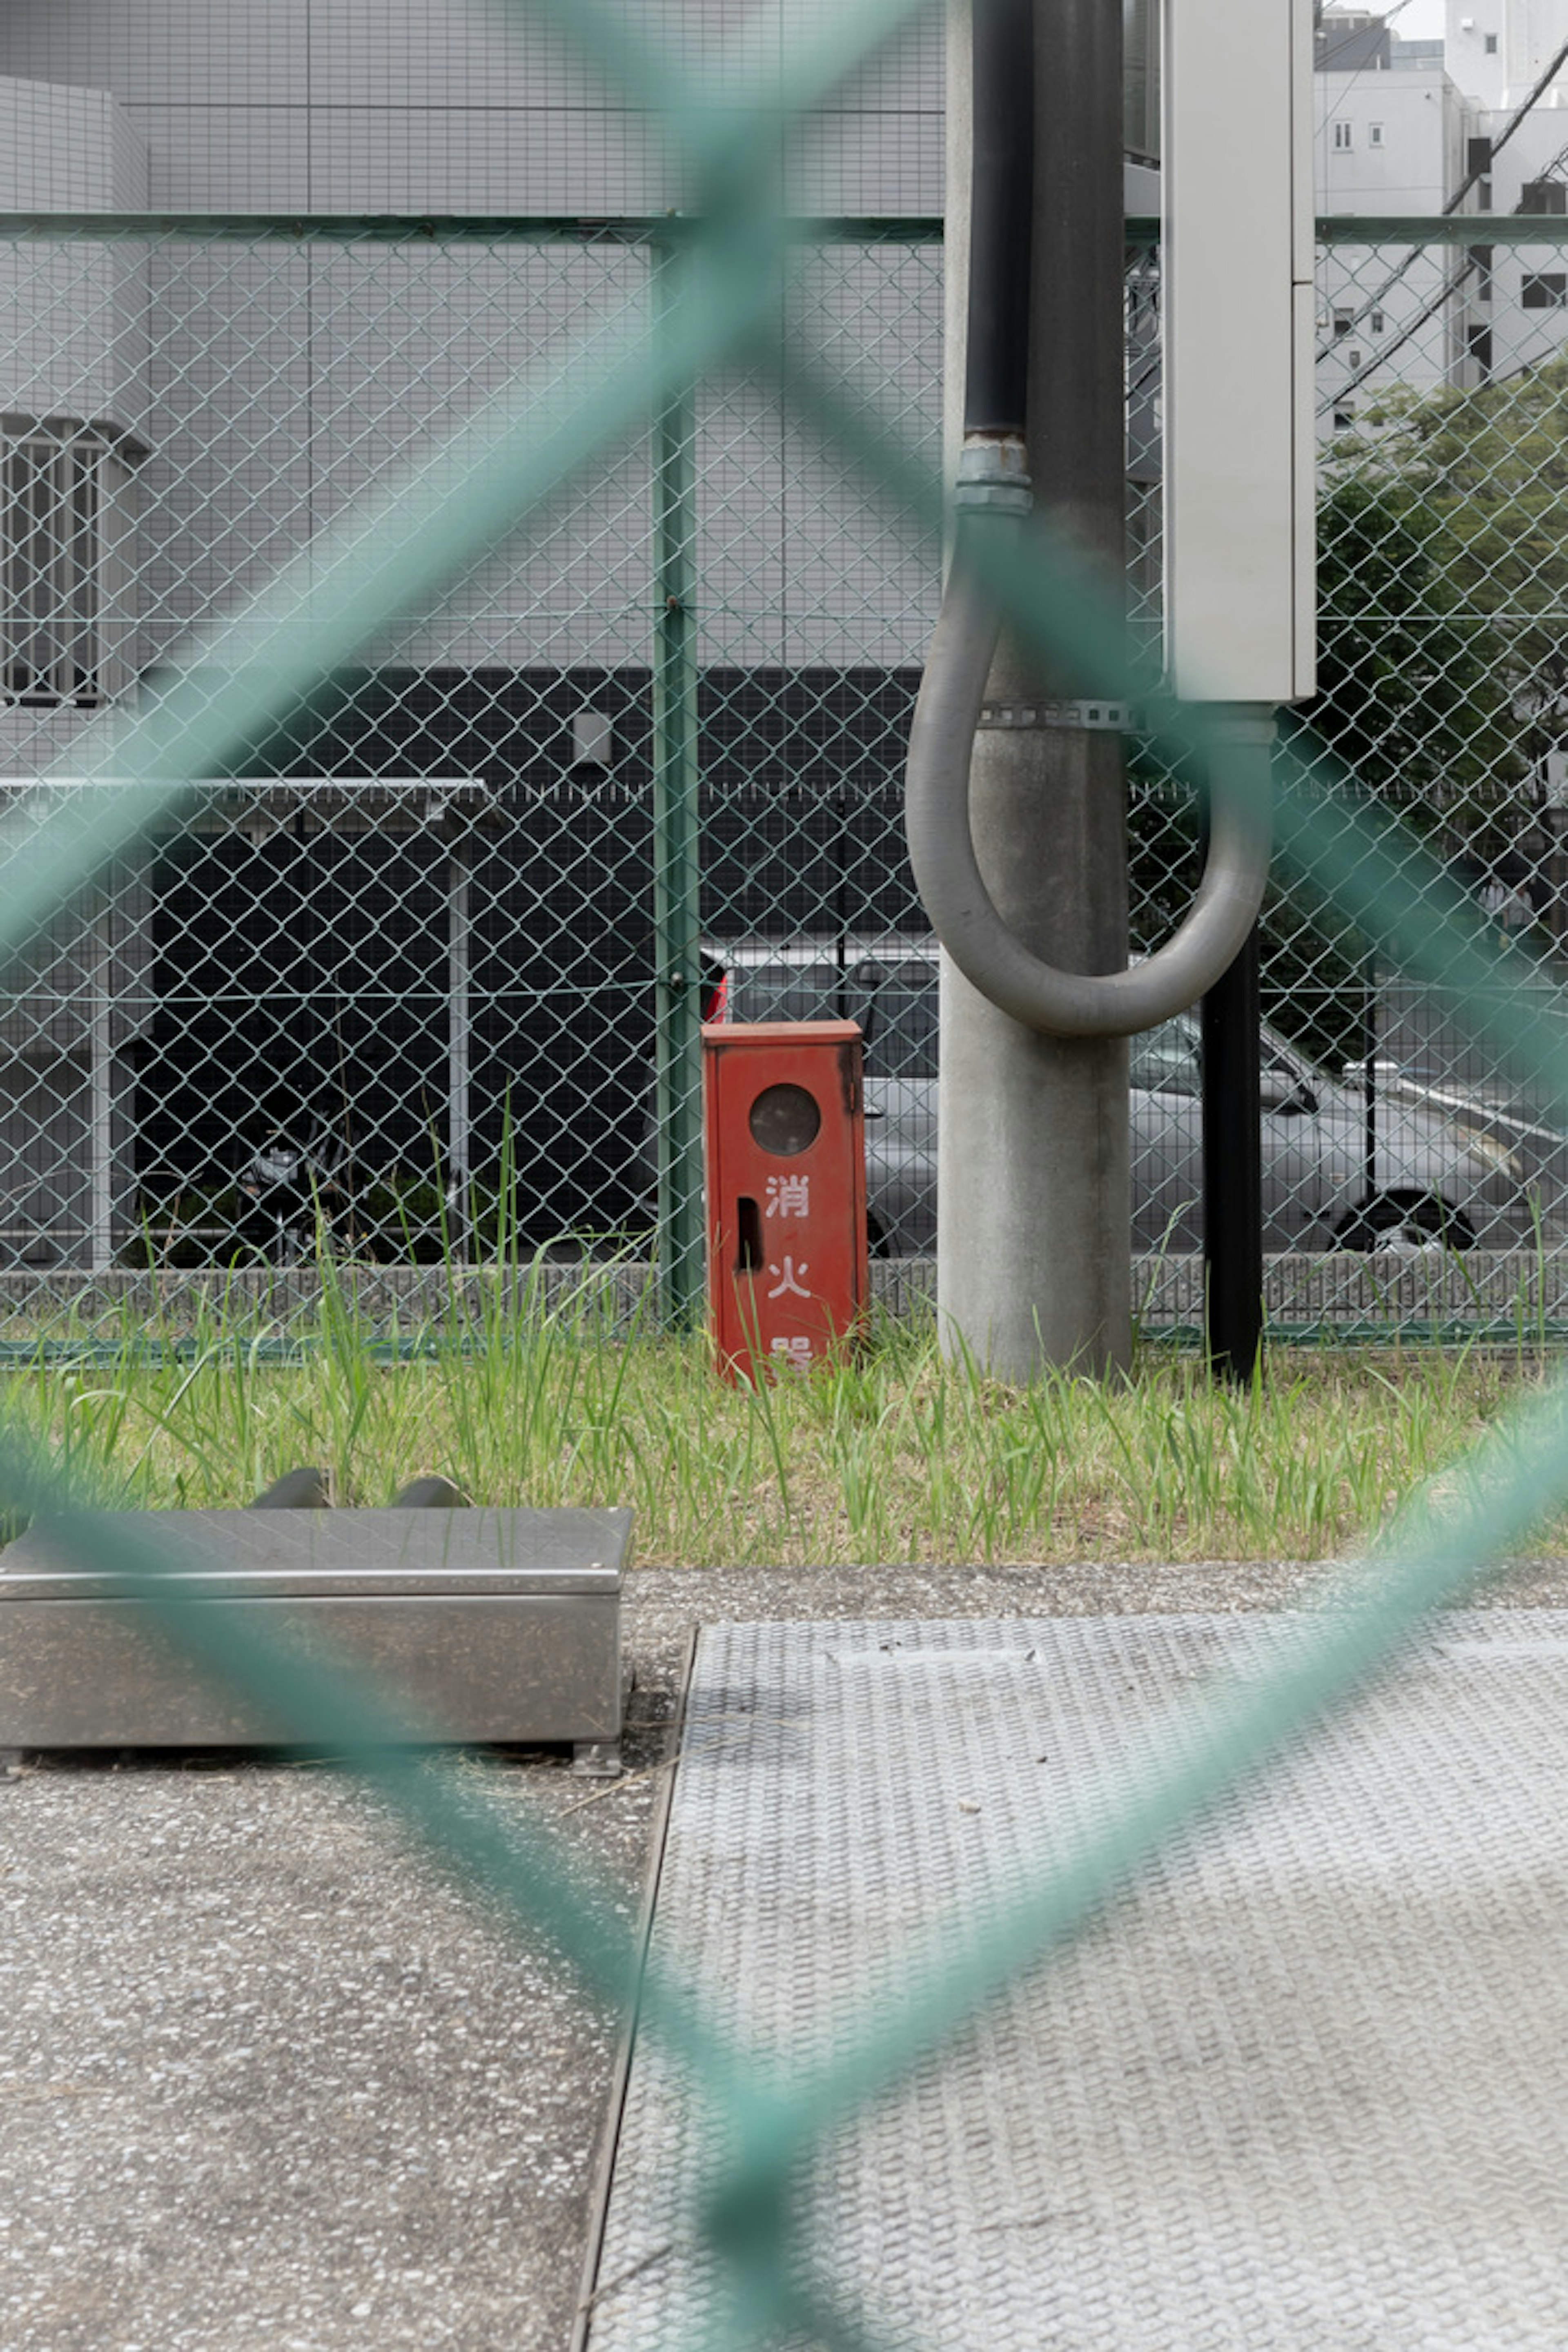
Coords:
pixel 408 960
pixel 428 964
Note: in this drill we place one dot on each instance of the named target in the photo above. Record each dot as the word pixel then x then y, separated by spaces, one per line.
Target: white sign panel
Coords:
pixel 1238 327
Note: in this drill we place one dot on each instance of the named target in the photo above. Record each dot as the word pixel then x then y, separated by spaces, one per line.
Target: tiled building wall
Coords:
pixel 274 384
pixel 456 105
pixel 71 344
pixel 73 318
pixel 281 383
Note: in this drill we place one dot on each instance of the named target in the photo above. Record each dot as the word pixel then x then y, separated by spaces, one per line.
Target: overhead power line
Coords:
pixel 1374 301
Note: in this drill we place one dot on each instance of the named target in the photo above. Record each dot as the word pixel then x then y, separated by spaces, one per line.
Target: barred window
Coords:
pixel 63 579
pixel 1544 289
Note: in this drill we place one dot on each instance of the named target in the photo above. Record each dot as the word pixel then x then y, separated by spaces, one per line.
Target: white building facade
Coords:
pixel 1476 124
pixel 381 108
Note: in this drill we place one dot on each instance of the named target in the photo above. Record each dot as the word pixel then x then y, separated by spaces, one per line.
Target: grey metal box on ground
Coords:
pixel 475 1625
pixel 1305 2085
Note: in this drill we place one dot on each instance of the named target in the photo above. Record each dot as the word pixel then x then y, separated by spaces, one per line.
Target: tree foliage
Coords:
pixel 1415 688
pixel 1415 697
pixel 1487 471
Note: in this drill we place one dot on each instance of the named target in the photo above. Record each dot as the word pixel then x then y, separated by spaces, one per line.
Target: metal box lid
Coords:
pixel 337 1554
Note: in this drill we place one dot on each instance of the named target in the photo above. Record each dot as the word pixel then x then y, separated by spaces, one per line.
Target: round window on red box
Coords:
pixel 784 1121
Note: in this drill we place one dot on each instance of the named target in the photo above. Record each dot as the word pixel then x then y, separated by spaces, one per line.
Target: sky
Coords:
pixel 1422 21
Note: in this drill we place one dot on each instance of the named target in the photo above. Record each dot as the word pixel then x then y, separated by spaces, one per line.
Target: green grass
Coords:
pixel 890 1455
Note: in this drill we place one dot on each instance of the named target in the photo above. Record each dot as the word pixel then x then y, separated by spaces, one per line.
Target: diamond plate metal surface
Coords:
pixel 1306 2086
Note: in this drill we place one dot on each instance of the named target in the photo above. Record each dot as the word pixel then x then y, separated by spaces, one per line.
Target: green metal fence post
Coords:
pixel 677 912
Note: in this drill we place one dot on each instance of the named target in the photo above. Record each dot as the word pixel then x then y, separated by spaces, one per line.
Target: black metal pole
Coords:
pixel 1369 1076
pixel 1001 222
pixel 1233 1168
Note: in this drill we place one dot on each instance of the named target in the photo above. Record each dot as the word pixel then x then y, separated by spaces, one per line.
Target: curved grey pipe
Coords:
pixel 964 916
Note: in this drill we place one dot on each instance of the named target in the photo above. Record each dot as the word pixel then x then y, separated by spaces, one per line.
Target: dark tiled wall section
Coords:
pixel 308 970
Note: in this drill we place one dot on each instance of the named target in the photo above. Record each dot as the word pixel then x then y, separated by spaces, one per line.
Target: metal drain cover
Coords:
pixel 1306 2086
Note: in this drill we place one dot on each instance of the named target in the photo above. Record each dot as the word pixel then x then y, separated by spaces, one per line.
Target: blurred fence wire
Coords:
pixel 437 656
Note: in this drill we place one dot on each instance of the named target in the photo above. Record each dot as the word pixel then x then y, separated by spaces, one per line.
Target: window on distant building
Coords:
pixel 1344 419
pixel 1376 322
pixel 1479 347
pixel 1341 136
pixel 1491 45
pixel 1344 321
pixel 1544 289
pixel 1477 167
pixel 1543 196
pixel 1374 135
pixel 63 589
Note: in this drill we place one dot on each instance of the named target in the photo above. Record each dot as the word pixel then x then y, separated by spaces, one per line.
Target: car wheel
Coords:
pixel 1406 1224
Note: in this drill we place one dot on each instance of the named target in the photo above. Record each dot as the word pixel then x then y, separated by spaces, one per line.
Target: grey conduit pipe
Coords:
pixel 941 848
pixel 994 495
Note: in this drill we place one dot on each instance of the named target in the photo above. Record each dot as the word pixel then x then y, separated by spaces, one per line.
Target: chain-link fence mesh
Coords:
pixel 404 967
pixel 1440 611
pixel 399 975
pixel 306 775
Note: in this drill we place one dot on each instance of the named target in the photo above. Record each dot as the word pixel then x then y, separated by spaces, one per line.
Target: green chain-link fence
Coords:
pixel 326 837
pixel 1439 349
pixel 429 957
pixel 413 954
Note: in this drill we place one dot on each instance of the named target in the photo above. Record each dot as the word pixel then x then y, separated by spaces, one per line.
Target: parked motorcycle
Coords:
pixel 288 1190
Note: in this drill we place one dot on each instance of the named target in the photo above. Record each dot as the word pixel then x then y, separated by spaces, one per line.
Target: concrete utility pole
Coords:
pixel 1033 1260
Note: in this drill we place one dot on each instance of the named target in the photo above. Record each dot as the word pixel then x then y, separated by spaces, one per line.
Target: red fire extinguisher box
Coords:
pixel 785 1143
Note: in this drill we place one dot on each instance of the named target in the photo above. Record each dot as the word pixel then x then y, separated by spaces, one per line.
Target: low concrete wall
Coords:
pixel 1517 1289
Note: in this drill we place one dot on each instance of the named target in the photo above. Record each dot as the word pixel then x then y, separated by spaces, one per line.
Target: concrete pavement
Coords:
pixel 271 2084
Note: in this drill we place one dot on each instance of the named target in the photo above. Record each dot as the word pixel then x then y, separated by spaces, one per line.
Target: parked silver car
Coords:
pixel 1435 1180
